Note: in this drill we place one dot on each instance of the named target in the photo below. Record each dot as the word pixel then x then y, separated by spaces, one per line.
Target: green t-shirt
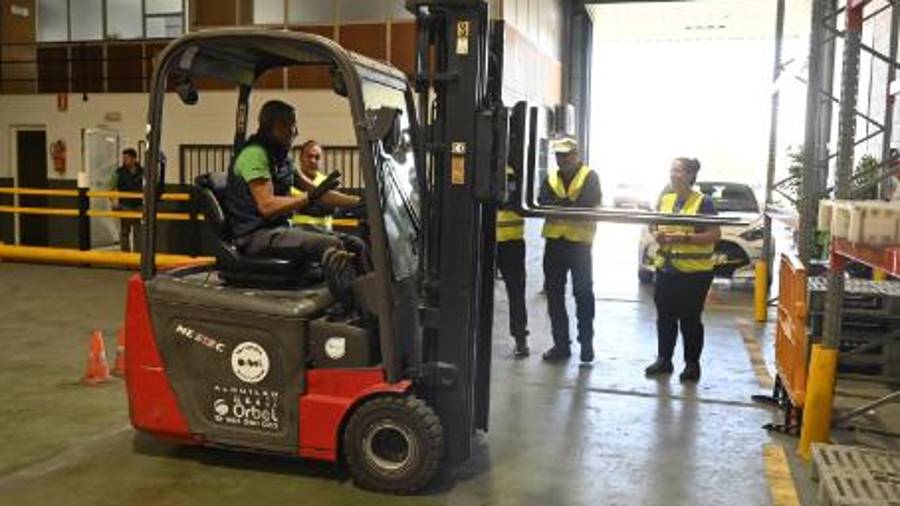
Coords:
pixel 252 164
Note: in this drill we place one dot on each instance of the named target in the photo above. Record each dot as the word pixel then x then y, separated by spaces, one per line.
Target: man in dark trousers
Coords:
pixel 511 262
pixel 568 248
pixel 258 200
pixel 129 178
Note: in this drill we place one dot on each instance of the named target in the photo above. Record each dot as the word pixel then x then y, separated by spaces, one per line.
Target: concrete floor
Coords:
pixel 560 434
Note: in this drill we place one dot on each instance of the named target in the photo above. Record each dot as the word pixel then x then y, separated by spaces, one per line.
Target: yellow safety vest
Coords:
pixel 569 230
pixel 684 257
pixel 299 218
pixel 510 226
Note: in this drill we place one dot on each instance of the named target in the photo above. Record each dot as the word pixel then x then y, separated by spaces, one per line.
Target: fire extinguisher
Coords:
pixel 58 154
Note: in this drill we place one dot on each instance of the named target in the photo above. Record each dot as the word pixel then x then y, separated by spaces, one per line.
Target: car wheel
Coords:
pixel 729 258
pixel 393 444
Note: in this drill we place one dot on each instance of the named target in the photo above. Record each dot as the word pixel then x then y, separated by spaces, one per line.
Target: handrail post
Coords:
pixel 84 205
pixel 196 239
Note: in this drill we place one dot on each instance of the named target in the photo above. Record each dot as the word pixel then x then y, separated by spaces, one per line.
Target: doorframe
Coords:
pixel 14 166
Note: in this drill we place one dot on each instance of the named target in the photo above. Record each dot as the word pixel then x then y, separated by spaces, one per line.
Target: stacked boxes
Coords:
pixel 870 326
pixel 870 222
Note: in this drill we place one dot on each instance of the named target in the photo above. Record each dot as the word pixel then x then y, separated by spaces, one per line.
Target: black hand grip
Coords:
pixel 331 182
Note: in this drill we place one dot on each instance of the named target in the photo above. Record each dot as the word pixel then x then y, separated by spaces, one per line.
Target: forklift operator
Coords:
pixel 258 199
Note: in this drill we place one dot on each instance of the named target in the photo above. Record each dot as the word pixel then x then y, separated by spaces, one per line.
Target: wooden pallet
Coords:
pixel 851 476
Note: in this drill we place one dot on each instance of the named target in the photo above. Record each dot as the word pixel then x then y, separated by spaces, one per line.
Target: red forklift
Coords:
pixel 246 354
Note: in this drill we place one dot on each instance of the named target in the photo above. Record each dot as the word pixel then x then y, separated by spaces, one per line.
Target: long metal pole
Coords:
pixel 846 146
pixel 889 99
pixel 808 177
pixel 828 51
pixel 773 134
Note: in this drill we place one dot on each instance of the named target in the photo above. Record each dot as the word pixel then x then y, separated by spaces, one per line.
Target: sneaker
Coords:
pixel 521 350
pixel 659 367
pixel 555 353
pixel 587 352
pixel 691 373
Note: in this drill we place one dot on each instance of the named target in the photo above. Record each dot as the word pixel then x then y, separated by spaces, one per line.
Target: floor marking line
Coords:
pixel 649 395
pixel 778 475
pixel 754 350
pixel 64 459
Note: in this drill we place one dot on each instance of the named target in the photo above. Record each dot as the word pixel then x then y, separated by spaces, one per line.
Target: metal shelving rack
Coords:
pixel 813 185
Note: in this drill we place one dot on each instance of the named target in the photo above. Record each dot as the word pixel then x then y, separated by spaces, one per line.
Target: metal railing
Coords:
pixel 83 212
pixel 197 159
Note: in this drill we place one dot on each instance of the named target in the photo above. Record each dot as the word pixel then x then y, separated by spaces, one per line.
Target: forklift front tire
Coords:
pixel 393 444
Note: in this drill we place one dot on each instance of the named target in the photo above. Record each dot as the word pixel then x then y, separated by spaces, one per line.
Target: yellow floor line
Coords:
pixel 778 474
pixel 754 350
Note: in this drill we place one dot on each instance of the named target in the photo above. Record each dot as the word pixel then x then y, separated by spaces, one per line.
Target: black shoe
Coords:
pixel 691 373
pixel 555 353
pixel 587 352
pixel 659 367
pixel 521 350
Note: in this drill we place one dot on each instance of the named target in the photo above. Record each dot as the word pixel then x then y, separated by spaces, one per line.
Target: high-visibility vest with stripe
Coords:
pixel 569 230
pixel 684 257
pixel 300 218
pixel 510 226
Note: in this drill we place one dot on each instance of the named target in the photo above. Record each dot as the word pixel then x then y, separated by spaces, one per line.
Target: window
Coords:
pixel 123 19
pixel 311 12
pixel 268 12
pixel 731 197
pixel 164 26
pixel 163 18
pixel 53 17
pixel 64 20
pixel 362 10
pixel 162 6
pixel 87 20
pixel 398 10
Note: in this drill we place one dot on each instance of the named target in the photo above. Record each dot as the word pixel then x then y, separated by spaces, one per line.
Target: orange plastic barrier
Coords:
pixel 791 341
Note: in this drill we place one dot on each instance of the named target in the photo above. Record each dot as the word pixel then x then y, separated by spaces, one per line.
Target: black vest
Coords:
pixel 239 206
pixel 126 181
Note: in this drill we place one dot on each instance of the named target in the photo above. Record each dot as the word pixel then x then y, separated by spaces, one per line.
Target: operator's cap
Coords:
pixel 565 145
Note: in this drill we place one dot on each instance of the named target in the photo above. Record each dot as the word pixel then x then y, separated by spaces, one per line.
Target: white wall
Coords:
pixel 532 53
pixel 321 115
pixel 539 20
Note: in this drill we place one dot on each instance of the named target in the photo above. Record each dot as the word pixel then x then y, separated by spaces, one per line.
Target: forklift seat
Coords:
pixel 236 268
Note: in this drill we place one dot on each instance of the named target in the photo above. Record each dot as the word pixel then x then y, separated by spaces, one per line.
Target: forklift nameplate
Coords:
pixel 458 163
pixel 246 407
pixel 462 37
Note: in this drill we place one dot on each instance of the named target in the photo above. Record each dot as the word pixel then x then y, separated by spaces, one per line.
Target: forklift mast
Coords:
pixel 464 149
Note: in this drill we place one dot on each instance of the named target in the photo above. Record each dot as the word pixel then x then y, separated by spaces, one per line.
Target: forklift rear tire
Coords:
pixel 393 444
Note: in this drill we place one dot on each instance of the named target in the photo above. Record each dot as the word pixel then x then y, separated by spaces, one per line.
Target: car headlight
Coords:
pixel 752 234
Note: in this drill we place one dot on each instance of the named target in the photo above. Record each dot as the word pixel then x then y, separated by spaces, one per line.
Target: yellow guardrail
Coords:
pixel 175 197
pixel 102 257
pixel 95 213
pixel 94 257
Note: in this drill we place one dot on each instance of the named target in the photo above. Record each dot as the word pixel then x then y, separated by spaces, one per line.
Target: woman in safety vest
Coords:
pixel 684 266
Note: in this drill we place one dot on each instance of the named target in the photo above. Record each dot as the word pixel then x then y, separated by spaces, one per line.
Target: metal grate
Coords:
pixel 197 159
pixel 850 476
pixel 861 297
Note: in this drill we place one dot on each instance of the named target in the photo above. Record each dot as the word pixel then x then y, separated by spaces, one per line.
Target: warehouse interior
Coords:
pixel 787 105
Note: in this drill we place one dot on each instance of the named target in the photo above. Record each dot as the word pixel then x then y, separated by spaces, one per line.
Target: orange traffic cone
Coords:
pixel 97 368
pixel 119 364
